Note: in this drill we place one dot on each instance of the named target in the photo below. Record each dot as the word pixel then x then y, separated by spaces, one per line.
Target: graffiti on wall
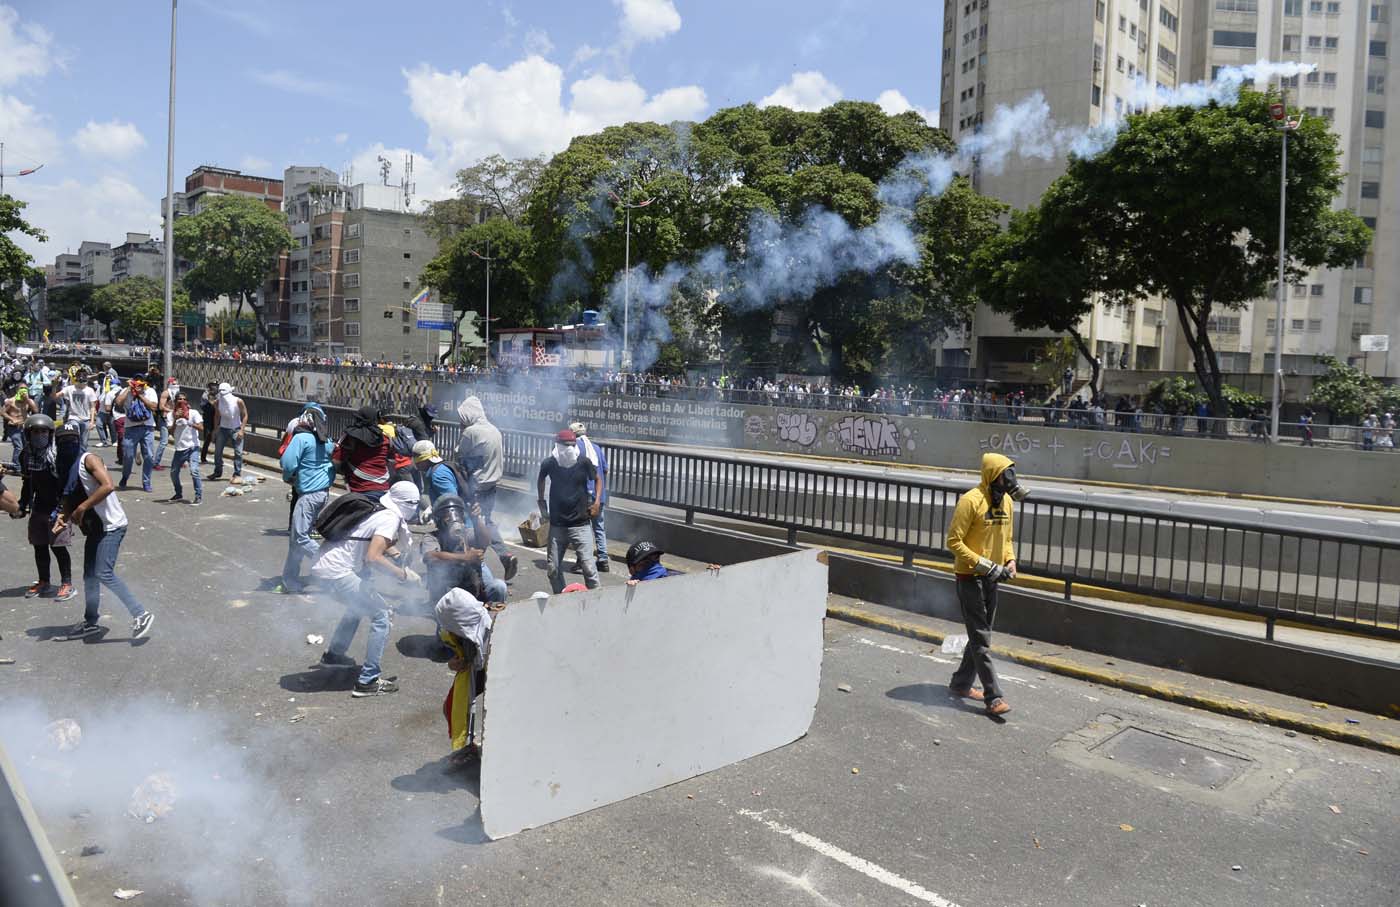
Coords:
pixel 1130 454
pixel 861 435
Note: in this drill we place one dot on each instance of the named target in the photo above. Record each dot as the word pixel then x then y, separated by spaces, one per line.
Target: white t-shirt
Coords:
pixel 149 396
pixel 229 415
pixel 107 397
pixel 80 399
pixel 109 509
pixel 347 556
pixel 185 432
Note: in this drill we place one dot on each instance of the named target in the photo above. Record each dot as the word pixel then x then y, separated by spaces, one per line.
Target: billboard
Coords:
pixel 1375 343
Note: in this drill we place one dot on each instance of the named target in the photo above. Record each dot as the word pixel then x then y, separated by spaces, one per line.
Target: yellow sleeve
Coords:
pixel 1008 550
pixel 964 516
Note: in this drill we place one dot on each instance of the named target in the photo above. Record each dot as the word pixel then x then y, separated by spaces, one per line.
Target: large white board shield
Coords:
pixel 594 697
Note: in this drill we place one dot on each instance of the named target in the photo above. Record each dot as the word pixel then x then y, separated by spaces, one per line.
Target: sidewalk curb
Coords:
pixel 1168 692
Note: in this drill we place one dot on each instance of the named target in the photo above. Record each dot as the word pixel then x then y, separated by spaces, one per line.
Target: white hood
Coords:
pixel 470 411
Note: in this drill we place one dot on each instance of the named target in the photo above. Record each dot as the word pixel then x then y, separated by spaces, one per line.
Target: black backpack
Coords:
pixel 466 484
pixel 343 514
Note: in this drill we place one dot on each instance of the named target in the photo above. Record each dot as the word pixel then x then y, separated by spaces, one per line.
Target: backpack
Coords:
pixel 343 514
pixel 136 408
pixel 466 485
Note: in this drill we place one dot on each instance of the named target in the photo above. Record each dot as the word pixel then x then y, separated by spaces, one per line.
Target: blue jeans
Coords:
pixel 496 589
pixel 162 437
pixel 227 436
pixel 301 545
pixel 133 436
pixel 16 438
pixel 82 425
pixel 106 432
pixel 486 498
pixel 177 463
pixel 100 569
pixel 360 602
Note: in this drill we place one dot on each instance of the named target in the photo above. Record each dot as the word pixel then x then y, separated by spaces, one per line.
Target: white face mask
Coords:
pixel 567 455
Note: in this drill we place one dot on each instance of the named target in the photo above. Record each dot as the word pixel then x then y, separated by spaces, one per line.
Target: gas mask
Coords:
pixel 1005 484
pixel 566 455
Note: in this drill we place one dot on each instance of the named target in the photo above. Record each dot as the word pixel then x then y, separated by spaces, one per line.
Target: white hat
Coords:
pixel 225 389
pixel 578 428
pixel 426 452
pixel 403 499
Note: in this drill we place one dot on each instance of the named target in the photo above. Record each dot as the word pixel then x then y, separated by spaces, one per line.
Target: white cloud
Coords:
pixel 25 50
pixel 71 211
pixel 286 80
pixel 892 102
pixel 37 143
pixel 434 180
pixel 251 163
pixel 113 139
pixel 520 111
pixel 340 138
pixel 585 53
pixel 537 43
pixel 804 91
pixel 647 20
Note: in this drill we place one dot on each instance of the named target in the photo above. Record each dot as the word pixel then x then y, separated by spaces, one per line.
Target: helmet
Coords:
pixel 38 422
pixel 450 509
pixel 641 551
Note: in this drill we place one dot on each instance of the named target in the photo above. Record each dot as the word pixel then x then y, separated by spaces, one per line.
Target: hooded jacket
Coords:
pixel 481 450
pixel 977 530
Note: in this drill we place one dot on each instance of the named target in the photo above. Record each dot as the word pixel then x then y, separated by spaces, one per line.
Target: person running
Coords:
pixel 570 508
pixel 230 416
pixel 364 455
pixel 307 465
pixel 139 403
pixel 99 515
pixel 186 427
pixel 482 452
pixel 40 495
pixel 346 566
pixel 17 409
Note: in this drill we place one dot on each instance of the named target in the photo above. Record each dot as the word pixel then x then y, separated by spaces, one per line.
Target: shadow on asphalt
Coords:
pixel 280 533
pixel 423 646
pixel 321 679
pixel 938 695
pixel 441 776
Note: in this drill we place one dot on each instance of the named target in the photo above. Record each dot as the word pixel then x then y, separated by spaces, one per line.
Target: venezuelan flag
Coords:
pixel 423 296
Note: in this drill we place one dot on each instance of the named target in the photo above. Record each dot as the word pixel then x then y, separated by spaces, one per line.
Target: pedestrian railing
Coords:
pixel 1323 578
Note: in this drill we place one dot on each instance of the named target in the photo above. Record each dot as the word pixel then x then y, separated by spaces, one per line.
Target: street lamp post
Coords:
pixel 627 273
pixel 488 259
pixel 1286 125
pixel 170 200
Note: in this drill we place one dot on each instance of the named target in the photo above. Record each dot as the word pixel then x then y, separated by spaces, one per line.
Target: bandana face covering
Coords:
pixel 566 454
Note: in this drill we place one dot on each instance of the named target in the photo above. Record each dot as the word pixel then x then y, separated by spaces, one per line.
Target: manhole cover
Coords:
pixel 1170 757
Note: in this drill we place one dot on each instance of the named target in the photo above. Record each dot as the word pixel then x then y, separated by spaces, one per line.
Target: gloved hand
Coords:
pixel 411 578
pixel 544 508
pixel 990 570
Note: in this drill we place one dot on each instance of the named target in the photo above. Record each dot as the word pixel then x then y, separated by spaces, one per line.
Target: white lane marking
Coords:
pixel 943 661
pixel 851 861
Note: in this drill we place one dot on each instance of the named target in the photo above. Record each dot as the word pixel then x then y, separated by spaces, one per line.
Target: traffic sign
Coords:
pixel 1375 343
pixel 1276 110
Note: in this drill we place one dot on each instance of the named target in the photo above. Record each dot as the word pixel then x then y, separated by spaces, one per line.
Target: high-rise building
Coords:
pixel 139 256
pixel 1083 56
pixel 96 258
pixel 66 270
pixel 1352 45
pixel 313 194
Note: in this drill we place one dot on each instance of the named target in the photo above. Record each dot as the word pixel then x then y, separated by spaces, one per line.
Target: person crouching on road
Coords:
pixel 980 538
pixel 570 508
pixel 307 466
pixel 454 556
pixel 346 566
pixel 465 628
pixel 644 563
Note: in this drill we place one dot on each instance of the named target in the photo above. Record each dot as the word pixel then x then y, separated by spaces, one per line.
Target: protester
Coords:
pixel 106 427
pixel 570 508
pixel 482 452
pixel 186 426
pixel 464 626
pixel 307 465
pixel 230 417
pixel 139 404
pixel 644 563
pixel 99 515
pixel 345 565
pixel 454 554
pixel 979 536
pixel 79 403
pixel 207 404
pixel 1305 422
pixel 364 454
pixel 594 453
pixel 165 418
pixel 40 497
pixel 440 477
pixel 17 409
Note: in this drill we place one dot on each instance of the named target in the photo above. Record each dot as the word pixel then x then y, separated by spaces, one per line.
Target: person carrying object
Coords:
pixel 570 508
pixel 979 536
pixel 590 451
pixel 464 626
pixel 454 555
pixel 346 565
pixel 482 452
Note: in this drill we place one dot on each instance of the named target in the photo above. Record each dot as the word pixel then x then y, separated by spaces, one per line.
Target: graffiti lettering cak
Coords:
pixel 1128 455
pixel 797 428
pixel 877 436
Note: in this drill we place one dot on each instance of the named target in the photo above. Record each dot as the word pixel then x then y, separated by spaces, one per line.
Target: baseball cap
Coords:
pixel 578 428
pixel 425 452
pixel 566 436
pixel 640 551
pixel 403 499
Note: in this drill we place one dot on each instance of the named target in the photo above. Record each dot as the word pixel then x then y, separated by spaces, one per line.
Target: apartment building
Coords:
pixel 1353 45
pixel 66 270
pixel 139 256
pixel 383 252
pixel 314 194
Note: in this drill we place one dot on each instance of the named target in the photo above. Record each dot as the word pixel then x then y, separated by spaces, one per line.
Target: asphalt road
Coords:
pixel 1080 797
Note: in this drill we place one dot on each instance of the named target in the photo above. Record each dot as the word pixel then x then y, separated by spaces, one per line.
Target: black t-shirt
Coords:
pixel 569 497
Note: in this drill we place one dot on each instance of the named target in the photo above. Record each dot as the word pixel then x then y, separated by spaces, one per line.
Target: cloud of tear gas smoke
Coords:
pixel 793 260
pixel 173 803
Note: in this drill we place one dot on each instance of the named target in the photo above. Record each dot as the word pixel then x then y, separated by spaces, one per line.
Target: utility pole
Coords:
pixel 488 259
pixel 627 273
pixel 170 202
pixel 1286 125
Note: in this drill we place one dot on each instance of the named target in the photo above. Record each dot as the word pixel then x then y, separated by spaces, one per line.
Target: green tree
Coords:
pixel 458 273
pixel 17 271
pixel 137 306
pixel 1184 205
pixel 234 244
pixel 1349 393
pixel 227 328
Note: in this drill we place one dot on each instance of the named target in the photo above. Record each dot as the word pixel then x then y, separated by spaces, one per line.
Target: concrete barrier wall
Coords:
pixel 1186 462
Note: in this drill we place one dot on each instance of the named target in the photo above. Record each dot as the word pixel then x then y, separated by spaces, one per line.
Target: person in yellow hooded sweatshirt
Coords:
pixel 980 538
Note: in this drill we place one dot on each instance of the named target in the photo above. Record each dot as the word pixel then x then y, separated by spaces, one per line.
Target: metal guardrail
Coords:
pixel 1316 577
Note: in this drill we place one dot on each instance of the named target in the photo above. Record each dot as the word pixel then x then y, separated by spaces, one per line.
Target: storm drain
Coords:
pixel 1169 757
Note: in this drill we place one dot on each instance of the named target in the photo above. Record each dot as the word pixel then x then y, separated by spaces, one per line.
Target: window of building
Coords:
pixel 1369 221
pixel 1310 111
pixel 1375 84
pixel 352 304
pixel 1095 95
pixel 1334 8
pixel 1314 6
pixel 1237 6
pixel 1270 326
pixel 404 316
pixel 1329 113
pixel 406 329
pixel 1312 77
pixel 1375 119
pixel 1361 295
pixel 1314 325
pixel 1296 324
pixel 352 329
pixel 1132 32
pixel 1292 7
pixel 1378 48
pixel 1371 189
pixel 1315 289
pixel 1330 43
pixel 1314 42
pixel 1289 81
pixel 1169 21
pixel 1166 57
pixel 1122 23
pixel 352 230
pixel 1329 80
pixel 350 256
pixel 1300 289
pixel 1120 62
pixel 1358 328
pixel 409 255
pixel 1292 42
pixel 352 280
pixel 302 242
pixel 1222 38
pixel 407 284
pixel 1379 13
pixel 1117 104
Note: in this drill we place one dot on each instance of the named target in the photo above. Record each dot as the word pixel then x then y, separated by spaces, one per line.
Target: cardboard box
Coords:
pixel 534 538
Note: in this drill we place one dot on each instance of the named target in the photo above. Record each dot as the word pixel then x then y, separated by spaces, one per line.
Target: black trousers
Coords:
pixel 978 600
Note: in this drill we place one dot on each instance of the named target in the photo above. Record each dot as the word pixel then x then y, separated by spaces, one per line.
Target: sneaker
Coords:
pixel 216 477
pixel 968 693
pixel 158 468
pixel 37 589
pixel 379 686
pixel 140 626
pixel 198 499
pixel 121 486
pixel 511 563
pixel 146 488
pixel 65 592
pixel 284 589
pixel 174 499
pixel 603 567
pixel 998 706
pixel 332 660
pixel 82 629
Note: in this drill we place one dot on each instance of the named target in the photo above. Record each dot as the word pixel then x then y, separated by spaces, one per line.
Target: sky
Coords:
pixel 263 85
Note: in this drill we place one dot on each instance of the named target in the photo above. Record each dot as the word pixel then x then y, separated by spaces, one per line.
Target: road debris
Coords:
pixel 313 639
pixel 1336 810
pixel 1237 868
pixel 855 771
pixel 954 645
pixel 92 850
pixel 295 718
pixel 1353 721
pixel 153 798
pixel 126 894
pixel 844 687
pixel 7 661
pixel 1036 842
pixel 1125 827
